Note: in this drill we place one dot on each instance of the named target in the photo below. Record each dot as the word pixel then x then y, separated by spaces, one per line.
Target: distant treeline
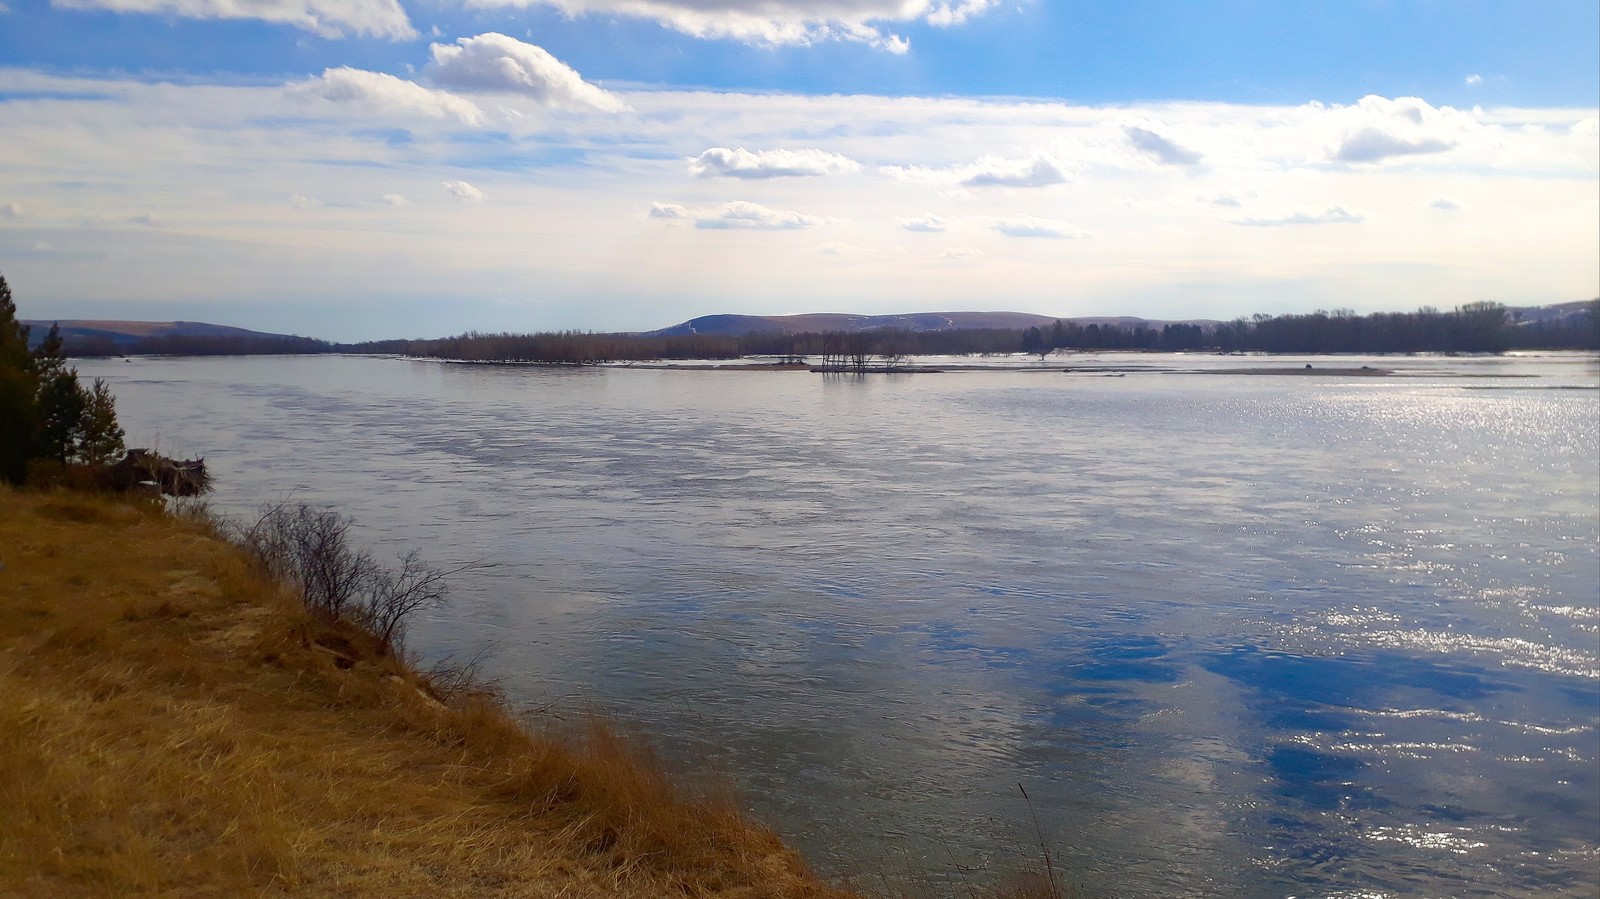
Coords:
pixel 195 345
pixel 1474 328
pixel 580 348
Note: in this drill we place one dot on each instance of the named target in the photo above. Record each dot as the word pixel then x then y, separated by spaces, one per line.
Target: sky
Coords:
pixel 366 169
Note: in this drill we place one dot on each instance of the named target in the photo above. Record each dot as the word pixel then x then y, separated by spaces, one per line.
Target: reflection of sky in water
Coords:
pixel 1237 636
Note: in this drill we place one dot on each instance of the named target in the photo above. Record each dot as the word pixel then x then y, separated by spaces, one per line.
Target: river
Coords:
pixel 1234 635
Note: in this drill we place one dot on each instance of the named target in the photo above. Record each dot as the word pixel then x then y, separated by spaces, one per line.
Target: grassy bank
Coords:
pixel 171 723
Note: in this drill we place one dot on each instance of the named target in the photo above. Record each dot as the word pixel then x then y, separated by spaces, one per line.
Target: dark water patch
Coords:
pixel 1321 780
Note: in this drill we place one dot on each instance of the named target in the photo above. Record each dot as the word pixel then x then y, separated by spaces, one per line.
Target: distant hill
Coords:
pixel 125 333
pixel 1524 315
pixel 96 337
pixel 820 322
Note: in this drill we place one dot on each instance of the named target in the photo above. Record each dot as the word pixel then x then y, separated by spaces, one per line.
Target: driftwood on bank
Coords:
pixel 143 469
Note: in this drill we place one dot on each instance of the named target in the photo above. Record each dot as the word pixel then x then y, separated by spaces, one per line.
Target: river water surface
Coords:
pixel 1236 636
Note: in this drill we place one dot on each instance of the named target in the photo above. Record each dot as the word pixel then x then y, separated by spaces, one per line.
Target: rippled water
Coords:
pixel 1237 636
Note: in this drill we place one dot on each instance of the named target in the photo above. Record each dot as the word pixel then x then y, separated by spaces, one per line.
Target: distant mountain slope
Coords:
pixel 128 333
pixel 816 322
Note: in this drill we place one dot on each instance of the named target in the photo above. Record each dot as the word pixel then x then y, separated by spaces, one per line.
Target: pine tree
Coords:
pixel 62 405
pixel 101 436
pixel 19 386
pixel 44 411
pixel 62 401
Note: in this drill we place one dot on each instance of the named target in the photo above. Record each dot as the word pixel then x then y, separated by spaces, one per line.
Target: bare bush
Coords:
pixel 309 549
pixel 396 595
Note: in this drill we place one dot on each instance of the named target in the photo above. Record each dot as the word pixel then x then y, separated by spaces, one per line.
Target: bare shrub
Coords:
pixel 394 596
pixel 309 550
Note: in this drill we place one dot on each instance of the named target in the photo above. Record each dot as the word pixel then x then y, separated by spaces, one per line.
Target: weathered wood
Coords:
pixel 173 477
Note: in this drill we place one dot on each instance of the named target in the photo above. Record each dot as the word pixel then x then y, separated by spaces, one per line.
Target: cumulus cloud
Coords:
pixel 835 248
pixel 773 22
pixel 1148 139
pixel 958 13
pixel 396 200
pixel 741 163
pixel 994 171
pixel 927 224
pixel 377 93
pixel 669 211
pixel 1229 200
pixel 1032 226
pixel 1332 215
pixel 1589 127
pixel 496 63
pixel 1445 203
pixel 328 18
pixel 1038 170
pixel 464 192
pixel 737 215
pixel 1379 128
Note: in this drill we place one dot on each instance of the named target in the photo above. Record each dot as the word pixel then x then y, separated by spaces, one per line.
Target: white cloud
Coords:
pixel 1445 203
pixel 742 163
pixel 773 22
pixel 960 253
pixel 12 211
pixel 396 200
pixel 958 13
pixel 1375 144
pixel 1038 170
pixel 737 215
pixel 1033 226
pixel 377 93
pixel 1378 128
pixel 496 63
pixel 464 192
pixel 1589 127
pixel 836 248
pixel 669 211
pixel 1332 215
pixel 1473 79
pixel 994 171
pixel 927 224
pixel 328 18
pixel 1229 199
pixel 1149 139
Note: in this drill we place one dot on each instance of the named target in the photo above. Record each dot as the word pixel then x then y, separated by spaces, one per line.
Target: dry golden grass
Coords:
pixel 170 724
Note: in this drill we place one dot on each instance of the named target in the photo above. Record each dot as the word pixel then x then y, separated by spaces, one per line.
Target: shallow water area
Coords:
pixel 1236 635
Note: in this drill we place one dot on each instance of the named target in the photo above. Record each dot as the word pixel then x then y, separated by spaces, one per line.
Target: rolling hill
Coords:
pixel 817 322
pixel 130 333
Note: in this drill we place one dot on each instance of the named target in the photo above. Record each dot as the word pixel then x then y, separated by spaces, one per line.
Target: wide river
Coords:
pixel 1235 635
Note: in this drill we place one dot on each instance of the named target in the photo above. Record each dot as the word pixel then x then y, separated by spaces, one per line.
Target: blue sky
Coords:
pixel 374 168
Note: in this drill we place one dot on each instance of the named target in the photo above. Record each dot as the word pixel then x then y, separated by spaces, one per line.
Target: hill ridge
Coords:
pixel 738 324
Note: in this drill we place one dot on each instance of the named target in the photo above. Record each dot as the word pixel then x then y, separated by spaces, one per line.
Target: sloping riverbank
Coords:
pixel 172 723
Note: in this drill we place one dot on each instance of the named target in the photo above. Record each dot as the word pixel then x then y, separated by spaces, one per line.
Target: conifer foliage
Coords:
pixel 45 413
